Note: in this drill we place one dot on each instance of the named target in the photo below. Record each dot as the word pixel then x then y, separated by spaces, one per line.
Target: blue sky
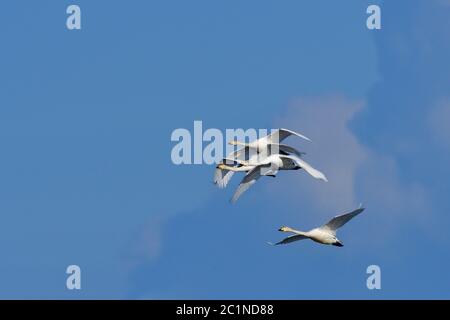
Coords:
pixel 86 176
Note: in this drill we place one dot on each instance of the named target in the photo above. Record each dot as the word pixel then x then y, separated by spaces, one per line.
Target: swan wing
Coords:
pixel 293 238
pixel 249 179
pixel 307 167
pixel 342 219
pixel 280 134
pixel 222 177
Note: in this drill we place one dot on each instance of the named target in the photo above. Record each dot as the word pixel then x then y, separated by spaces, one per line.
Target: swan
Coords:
pixel 256 149
pixel 325 234
pixel 269 167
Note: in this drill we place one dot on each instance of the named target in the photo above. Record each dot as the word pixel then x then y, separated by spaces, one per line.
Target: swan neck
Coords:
pixel 298 232
pixel 235 169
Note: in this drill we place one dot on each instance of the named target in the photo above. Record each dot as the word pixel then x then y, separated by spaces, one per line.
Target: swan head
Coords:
pixel 285 229
pixel 221 166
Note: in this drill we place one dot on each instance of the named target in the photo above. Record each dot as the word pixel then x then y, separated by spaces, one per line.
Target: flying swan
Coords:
pixel 325 234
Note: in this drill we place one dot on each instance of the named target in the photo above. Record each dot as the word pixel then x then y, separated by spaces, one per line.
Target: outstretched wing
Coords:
pixel 250 178
pixel 222 177
pixel 279 135
pixel 340 220
pixel 307 167
pixel 290 239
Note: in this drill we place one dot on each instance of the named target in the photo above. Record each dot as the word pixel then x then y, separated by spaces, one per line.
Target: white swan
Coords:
pixel 269 167
pixel 325 234
pixel 257 149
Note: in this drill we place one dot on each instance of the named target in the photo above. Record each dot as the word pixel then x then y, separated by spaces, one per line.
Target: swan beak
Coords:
pixel 233 143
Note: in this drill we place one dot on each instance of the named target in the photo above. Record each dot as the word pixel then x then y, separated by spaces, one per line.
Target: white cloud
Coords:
pixel 356 173
pixel 334 150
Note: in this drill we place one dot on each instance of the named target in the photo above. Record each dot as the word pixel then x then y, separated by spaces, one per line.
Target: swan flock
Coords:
pixel 265 157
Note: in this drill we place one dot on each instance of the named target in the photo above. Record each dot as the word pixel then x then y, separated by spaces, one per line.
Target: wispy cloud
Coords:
pixel 334 150
pixel 356 173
